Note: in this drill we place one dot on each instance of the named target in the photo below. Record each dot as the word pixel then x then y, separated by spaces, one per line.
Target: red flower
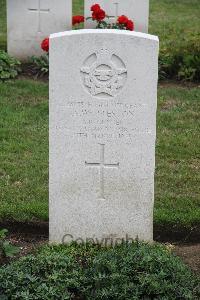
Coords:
pixel 98 15
pixel 95 7
pixel 45 45
pixel 130 25
pixel 122 20
pixel 77 20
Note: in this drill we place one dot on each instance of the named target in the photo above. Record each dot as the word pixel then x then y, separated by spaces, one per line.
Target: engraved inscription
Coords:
pixel 104 74
pixel 102 165
pixel 105 121
pixel 39 10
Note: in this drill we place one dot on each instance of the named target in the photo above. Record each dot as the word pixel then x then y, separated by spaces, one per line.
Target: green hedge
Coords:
pixel 134 271
pixel 177 24
pixel 181 63
pixel 9 66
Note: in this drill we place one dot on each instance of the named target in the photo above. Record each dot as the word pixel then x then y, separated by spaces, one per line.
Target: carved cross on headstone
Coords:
pixel 116 4
pixel 116 11
pixel 102 165
pixel 39 10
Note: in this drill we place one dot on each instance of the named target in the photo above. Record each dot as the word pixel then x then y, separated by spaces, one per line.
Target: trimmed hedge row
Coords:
pixel 130 271
pixel 183 63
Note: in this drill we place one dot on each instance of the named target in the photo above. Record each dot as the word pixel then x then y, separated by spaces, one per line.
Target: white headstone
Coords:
pixel 103 96
pixel 30 21
pixel 136 10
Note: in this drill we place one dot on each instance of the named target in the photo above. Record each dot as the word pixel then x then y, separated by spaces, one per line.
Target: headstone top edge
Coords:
pixel 103 31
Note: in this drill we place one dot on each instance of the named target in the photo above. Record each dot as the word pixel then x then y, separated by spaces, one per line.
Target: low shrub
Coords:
pixel 6 248
pixel 9 66
pixel 181 61
pixel 40 65
pixel 183 66
pixel 133 271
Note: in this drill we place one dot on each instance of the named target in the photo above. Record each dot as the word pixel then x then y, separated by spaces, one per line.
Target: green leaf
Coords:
pixel 3 233
pixel 9 66
pixel 9 249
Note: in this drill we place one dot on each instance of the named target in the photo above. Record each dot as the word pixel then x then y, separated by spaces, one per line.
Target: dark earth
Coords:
pixel 185 243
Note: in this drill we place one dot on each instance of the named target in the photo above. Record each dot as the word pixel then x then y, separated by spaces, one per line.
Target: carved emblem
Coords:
pixel 104 74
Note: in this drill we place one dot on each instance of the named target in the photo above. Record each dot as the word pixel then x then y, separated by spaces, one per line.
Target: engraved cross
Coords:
pixel 116 4
pixel 116 9
pixel 39 10
pixel 102 165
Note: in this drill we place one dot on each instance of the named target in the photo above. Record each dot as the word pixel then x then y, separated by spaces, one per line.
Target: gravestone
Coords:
pixel 136 10
pixel 30 21
pixel 103 95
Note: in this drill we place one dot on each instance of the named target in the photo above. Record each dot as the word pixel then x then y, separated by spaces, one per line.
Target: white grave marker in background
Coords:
pixel 39 11
pixel 103 96
pixel 30 21
pixel 136 10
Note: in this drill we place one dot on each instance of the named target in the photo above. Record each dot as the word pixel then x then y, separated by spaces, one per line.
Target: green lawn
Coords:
pixel 23 150
pixel 24 153
pixel 175 22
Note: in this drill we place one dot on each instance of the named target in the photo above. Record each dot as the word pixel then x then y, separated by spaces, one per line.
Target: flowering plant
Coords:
pixel 77 20
pixel 102 19
pixel 40 65
pixel 45 45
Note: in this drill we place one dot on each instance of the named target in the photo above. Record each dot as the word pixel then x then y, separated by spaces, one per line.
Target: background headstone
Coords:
pixel 137 10
pixel 103 96
pixel 30 21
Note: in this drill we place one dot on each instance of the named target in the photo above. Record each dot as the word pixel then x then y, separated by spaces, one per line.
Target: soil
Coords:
pixel 162 233
pixel 27 245
pixel 190 254
pixel 175 83
pixel 29 71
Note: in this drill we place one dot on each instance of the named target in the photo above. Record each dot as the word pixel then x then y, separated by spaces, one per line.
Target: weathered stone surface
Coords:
pixel 30 21
pixel 103 95
pixel 137 10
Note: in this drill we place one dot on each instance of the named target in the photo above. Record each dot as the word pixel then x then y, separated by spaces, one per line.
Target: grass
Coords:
pixel 178 164
pixel 24 154
pixel 23 150
pixel 169 19
pixel 174 21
